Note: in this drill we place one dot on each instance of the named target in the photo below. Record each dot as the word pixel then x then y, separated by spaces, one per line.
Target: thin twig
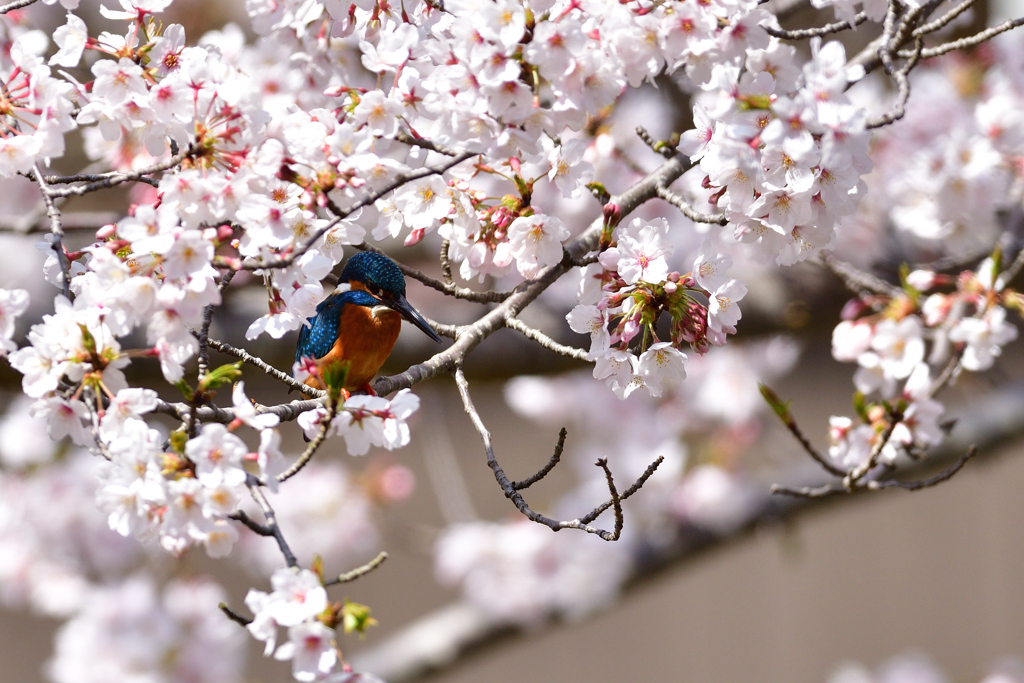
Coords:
pixel 234 616
pixel 1006 277
pixel 414 141
pixel 903 90
pixel 688 211
pixel 949 16
pixel 251 524
pixel 856 280
pixel 858 473
pixel 358 571
pixel 114 179
pixel 637 485
pixel 18 4
pixel 829 466
pixel 827 29
pixel 255 361
pixel 658 147
pixel 56 232
pixel 543 472
pixel 945 475
pixel 204 331
pixel 256 491
pixel 544 340
pixel 307 455
pixel 808 491
pixel 616 502
pixel 971 41
pixel 506 484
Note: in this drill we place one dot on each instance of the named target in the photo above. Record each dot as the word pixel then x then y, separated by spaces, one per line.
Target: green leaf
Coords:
pixel 219 377
pixel 178 439
pixel 334 376
pixel 88 341
pixel 356 617
pixel 780 407
pixel 185 389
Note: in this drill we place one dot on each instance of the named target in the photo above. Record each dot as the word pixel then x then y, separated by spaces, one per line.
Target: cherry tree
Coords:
pixel 502 137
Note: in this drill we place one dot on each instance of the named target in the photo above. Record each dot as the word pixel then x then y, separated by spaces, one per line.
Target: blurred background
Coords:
pixel 729 585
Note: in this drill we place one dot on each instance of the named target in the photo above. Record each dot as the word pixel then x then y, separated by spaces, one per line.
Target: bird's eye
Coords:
pixel 373 289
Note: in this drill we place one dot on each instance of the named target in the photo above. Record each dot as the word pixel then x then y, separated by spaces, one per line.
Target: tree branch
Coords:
pixel 825 30
pixel 544 340
pixel 358 571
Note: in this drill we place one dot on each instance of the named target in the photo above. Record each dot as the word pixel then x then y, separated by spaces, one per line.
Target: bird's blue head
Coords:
pixel 383 280
pixel 376 272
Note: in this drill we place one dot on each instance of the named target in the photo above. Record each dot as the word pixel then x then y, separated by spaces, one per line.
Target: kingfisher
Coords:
pixel 359 322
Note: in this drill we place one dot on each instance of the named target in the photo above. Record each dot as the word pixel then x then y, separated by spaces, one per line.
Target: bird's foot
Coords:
pixel 369 389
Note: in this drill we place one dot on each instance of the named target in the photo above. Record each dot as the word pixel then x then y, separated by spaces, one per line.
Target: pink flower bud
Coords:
pixel 415 236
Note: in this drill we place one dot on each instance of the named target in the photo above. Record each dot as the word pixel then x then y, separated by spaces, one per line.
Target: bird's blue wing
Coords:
pixel 316 340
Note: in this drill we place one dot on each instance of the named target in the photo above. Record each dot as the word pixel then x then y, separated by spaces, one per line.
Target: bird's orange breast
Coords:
pixel 365 339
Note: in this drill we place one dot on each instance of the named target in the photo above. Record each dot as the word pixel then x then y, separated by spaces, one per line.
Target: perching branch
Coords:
pixel 255 361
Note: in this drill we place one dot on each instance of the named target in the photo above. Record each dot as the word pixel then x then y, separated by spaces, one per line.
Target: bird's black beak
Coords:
pixel 401 304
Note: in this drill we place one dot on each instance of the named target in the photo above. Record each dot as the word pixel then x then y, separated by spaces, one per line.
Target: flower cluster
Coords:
pixel 889 338
pixel 945 175
pixel 781 151
pixel 299 603
pixel 631 286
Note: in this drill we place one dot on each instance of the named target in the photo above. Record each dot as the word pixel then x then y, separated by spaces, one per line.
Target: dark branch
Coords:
pixel 543 472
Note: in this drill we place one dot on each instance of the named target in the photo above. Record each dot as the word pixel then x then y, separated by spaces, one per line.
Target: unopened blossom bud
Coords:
pixel 630 329
pixel 106 232
pixel 852 309
pixel 876 413
pixel 670 287
pixel 414 237
pixel 612 214
pixel 224 233
pixel 674 276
